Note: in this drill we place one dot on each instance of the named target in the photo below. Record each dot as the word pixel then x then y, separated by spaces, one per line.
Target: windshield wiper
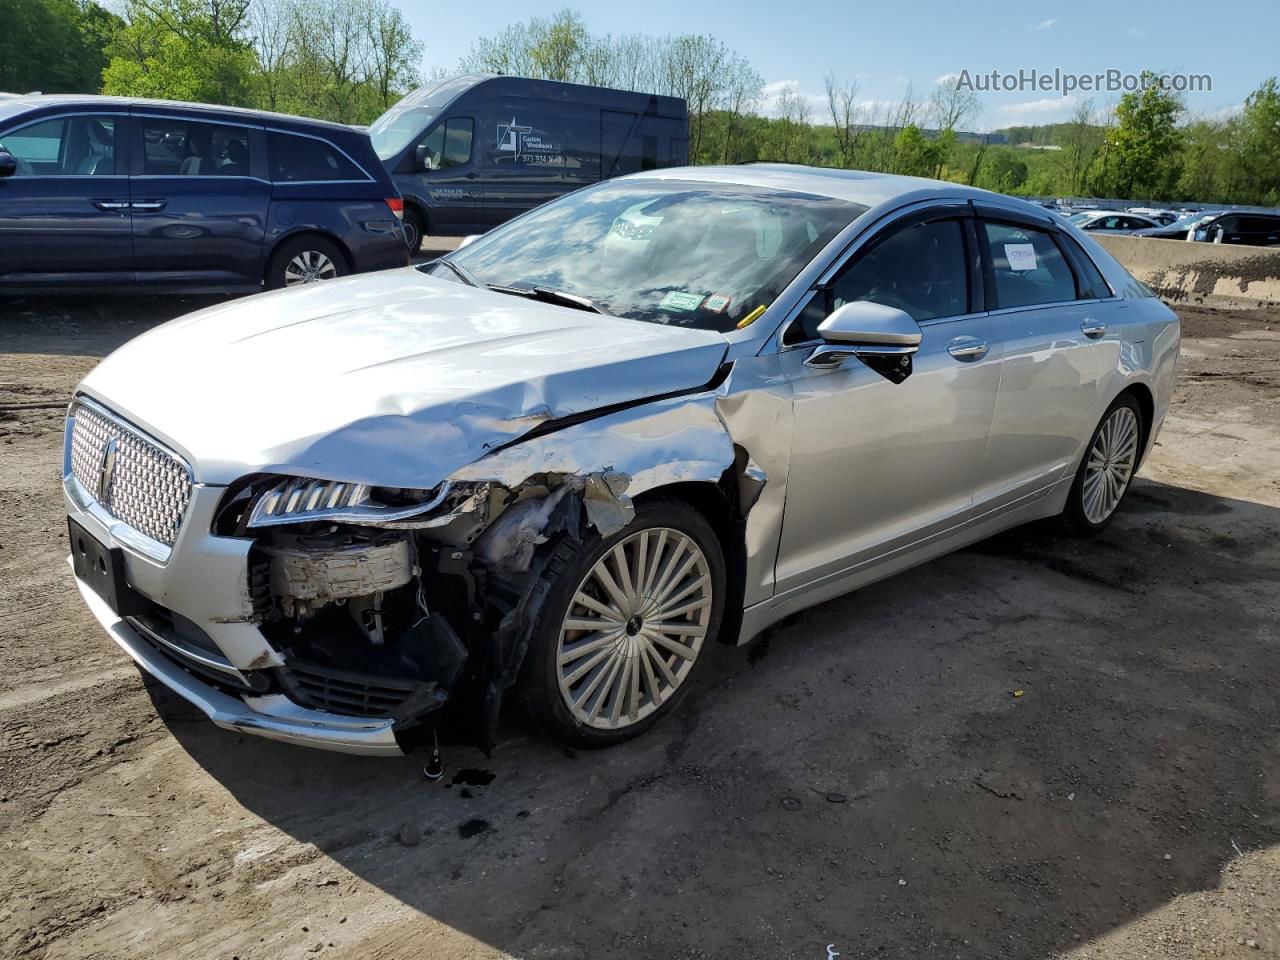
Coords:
pixel 552 295
pixel 463 273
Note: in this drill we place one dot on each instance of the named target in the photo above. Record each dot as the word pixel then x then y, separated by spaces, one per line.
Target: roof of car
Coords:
pixel 22 102
pixel 857 186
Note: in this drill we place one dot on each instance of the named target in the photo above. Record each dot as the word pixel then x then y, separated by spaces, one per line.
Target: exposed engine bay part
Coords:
pixel 309 571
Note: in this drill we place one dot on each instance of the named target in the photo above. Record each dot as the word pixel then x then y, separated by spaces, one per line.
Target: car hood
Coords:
pixel 395 379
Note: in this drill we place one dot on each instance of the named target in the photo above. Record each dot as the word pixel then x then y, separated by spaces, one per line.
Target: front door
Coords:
pixel 200 202
pixel 64 215
pixel 446 172
pixel 877 466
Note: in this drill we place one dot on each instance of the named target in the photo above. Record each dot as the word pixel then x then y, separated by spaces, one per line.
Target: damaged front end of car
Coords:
pixel 401 604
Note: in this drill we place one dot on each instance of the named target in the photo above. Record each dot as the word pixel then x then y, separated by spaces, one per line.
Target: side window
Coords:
pixel 446 145
pixel 81 146
pixel 919 269
pixel 298 159
pixel 457 143
pixel 188 148
pixel 1027 266
pixel 1093 285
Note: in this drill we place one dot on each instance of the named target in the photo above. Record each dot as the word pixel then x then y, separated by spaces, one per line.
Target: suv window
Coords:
pixel 80 146
pixel 1027 266
pixel 920 270
pixel 447 145
pixel 190 148
pixel 297 159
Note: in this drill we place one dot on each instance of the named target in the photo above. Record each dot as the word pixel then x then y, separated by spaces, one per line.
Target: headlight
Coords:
pixel 304 499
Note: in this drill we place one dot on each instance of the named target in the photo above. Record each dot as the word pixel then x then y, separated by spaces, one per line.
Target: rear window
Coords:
pixel 1093 285
pixel 194 149
pixel 297 159
pixel 1028 267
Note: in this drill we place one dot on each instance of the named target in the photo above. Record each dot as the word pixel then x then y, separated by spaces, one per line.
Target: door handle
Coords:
pixel 968 348
pixel 1093 328
pixel 149 204
pixel 473 176
pixel 111 206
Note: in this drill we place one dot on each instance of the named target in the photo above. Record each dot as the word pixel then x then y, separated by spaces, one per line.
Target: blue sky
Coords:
pixel 883 47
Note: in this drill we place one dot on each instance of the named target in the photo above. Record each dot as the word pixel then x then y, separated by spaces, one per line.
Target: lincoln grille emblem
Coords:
pixel 106 470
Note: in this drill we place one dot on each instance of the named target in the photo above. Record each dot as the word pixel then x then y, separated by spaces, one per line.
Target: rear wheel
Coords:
pixel 415 229
pixel 1108 468
pixel 626 622
pixel 305 260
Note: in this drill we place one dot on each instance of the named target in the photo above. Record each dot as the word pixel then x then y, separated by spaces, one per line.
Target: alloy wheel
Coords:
pixel 1110 465
pixel 309 266
pixel 634 628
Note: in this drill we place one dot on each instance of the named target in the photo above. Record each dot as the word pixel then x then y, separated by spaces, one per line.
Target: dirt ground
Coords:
pixel 865 777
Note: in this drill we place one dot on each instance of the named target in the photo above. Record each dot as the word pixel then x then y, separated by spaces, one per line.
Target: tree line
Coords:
pixel 348 60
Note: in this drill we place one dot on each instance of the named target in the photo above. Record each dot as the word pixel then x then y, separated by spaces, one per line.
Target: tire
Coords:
pixel 1092 504
pixel 630 648
pixel 308 258
pixel 415 228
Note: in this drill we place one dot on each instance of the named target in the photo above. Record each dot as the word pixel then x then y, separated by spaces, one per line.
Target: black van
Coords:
pixel 471 152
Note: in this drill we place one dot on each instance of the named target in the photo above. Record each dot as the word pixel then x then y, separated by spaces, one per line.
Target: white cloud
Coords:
pixel 946 79
pixel 1226 113
pixel 1032 108
pixel 773 94
pixel 1045 24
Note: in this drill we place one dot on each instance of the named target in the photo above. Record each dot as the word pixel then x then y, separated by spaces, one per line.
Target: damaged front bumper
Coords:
pixel 273 716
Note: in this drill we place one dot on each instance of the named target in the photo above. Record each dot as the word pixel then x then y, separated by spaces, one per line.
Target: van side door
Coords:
pixel 200 200
pixel 64 214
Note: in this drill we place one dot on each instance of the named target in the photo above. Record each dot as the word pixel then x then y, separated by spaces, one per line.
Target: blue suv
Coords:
pixel 108 192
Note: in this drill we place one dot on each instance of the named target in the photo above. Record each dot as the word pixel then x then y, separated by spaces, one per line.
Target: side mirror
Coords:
pixel 8 164
pixel 425 158
pixel 880 336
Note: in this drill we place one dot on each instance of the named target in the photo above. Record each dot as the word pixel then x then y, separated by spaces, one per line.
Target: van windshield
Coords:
pixel 698 254
pixel 395 129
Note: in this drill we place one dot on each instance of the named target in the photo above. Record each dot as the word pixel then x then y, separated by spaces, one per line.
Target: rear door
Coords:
pixel 200 200
pixel 64 216
pixel 1058 333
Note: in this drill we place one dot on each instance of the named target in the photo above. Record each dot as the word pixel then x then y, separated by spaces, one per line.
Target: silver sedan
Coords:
pixel 560 462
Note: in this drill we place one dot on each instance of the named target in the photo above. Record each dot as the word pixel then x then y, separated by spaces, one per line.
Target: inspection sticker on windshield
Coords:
pixel 716 303
pixel 679 300
pixel 1021 256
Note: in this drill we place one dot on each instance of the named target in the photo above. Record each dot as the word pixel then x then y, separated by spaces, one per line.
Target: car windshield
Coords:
pixel 705 255
pixel 1079 218
pixel 392 131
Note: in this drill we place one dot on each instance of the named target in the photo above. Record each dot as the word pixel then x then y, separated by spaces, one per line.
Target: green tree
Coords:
pixel 1004 171
pixel 1255 148
pixel 54 46
pixel 914 154
pixel 183 50
pixel 1143 152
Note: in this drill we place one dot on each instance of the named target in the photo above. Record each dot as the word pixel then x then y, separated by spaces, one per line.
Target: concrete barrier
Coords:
pixel 1214 274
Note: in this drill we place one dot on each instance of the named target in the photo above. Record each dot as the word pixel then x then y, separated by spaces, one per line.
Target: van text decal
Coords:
pixel 520 144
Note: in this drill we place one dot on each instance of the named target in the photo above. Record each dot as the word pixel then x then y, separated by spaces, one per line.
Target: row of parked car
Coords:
pixel 1211 226
pixel 108 192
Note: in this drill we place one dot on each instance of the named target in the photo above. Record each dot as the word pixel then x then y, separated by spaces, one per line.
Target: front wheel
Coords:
pixel 305 260
pixel 1109 464
pixel 626 622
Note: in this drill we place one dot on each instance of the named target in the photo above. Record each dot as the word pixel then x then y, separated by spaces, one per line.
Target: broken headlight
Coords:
pixel 305 499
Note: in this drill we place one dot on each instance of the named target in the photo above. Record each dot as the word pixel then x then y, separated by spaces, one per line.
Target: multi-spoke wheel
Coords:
pixel 1108 468
pixel 624 625
pixel 305 260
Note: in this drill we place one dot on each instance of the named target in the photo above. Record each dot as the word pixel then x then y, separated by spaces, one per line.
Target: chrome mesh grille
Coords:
pixel 149 488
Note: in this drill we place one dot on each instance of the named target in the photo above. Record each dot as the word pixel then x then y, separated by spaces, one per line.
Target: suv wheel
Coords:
pixel 305 260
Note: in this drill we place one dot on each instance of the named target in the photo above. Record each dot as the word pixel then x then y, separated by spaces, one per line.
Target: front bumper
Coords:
pixel 204 579
pixel 272 716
